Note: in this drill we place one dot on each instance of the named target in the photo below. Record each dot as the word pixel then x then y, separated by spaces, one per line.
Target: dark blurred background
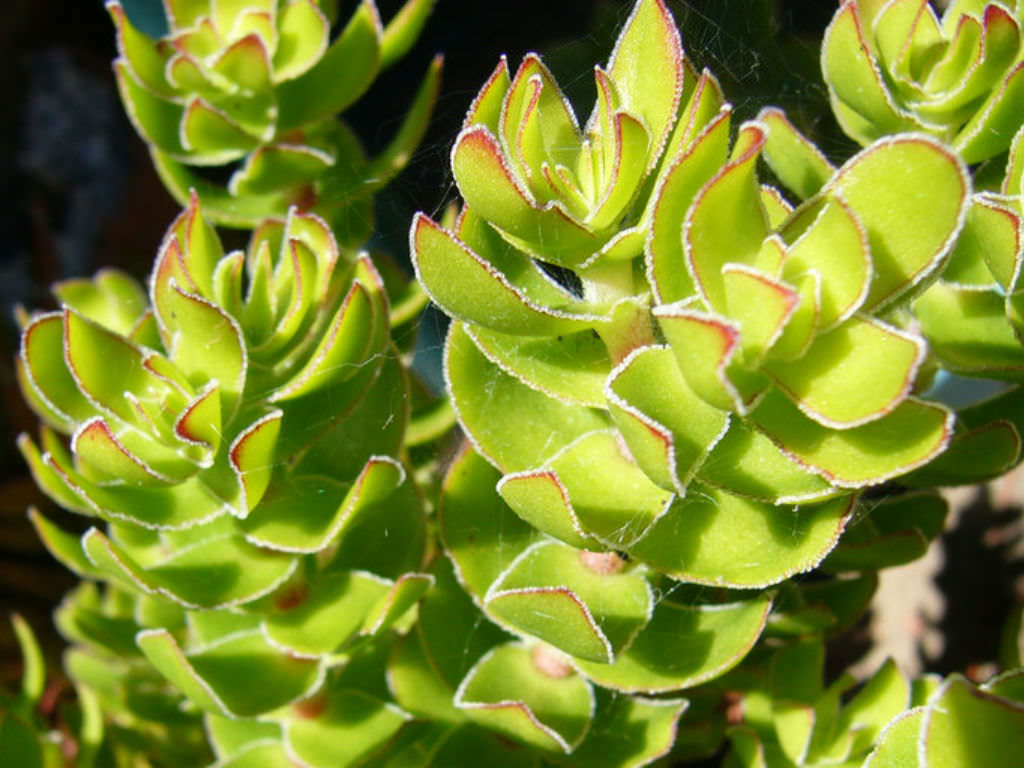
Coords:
pixel 77 191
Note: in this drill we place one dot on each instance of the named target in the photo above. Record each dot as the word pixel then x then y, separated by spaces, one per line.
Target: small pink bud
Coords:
pixel 551 662
pixel 602 563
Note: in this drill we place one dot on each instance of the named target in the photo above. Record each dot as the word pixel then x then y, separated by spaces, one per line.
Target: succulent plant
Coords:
pixel 262 82
pixel 244 450
pixel 708 361
pixel 893 67
pixel 777 317
pixel 701 411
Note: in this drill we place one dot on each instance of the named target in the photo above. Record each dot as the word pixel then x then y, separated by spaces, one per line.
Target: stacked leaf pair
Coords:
pixel 893 67
pixel 261 82
pixel 684 381
pixel 239 431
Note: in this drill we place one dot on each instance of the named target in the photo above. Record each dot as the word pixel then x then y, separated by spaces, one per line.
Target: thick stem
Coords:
pixel 630 327
pixel 608 282
pixel 613 284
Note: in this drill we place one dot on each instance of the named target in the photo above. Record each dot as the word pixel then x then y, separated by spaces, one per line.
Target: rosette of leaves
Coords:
pixel 774 314
pixel 893 67
pixel 260 83
pixel 240 435
pixel 711 363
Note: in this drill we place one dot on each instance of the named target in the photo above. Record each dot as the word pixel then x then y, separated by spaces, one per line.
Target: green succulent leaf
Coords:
pixel 340 77
pixel 302 31
pixel 330 508
pixel 835 246
pixel 713 537
pixel 470 287
pixel 396 602
pixel 342 730
pixel 855 80
pixel 909 436
pixel 552 592
pixel 416 685
pixel 677 189
pixel 830 383
pixel 509 690
pixel 991 128
pixel 705 346
pixel 208 574
pixel 669 430
pixel 710 236
pixel 962 724
pixel 157 119
pixel 208 131
pixel 271 167
pixel 481 534
pixel 683 646
pixel 898 743
pixel 330 612
pixel 143 55
pixel 383 168
pixel 111 298
pixel 630 731
pixel 988 249
pixel 571 367
pixel 615 507
pixel 542 423
pixel 974 456
pixel 240 676
pixel 492 190
pixel 747 463
pixel 957 319
pixel 795 160
pixel 886 695
pixel 453 637
pixel 845 599
pixel 179 507
pixel 65 547
pixel 401 32
pixel 257 755
pixel 228 209
pixel 909 238
pixel 647 68
pixel 368 415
